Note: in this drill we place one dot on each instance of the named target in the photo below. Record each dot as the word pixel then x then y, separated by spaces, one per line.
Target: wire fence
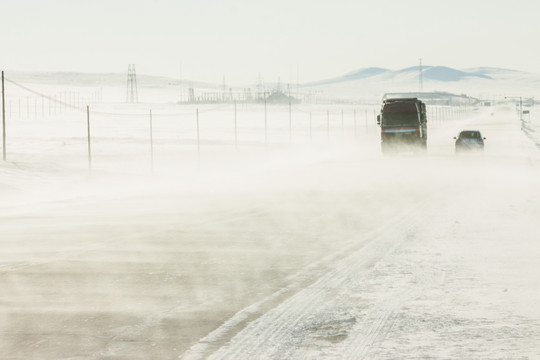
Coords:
pixel 66 128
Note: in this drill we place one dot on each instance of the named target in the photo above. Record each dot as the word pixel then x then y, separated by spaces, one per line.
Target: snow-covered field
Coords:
pixel 291 245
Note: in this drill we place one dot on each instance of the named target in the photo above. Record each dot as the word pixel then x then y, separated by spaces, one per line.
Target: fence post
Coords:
pixel 342 125
pixel 310 129
pixel 328 125
pixel 88 131
pixel 290 124
pixel 365 119
pixel 151 142
pixel 235 128
pixel 354 117
pixel 198 140
pixel 3 120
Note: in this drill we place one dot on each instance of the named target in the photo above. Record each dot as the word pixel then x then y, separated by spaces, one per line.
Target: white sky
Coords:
pixel 208 39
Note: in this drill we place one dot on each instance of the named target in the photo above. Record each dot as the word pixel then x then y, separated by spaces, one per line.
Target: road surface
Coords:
pixel 352 255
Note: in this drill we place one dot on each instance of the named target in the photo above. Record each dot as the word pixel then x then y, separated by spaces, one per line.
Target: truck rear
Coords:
pixel 403 123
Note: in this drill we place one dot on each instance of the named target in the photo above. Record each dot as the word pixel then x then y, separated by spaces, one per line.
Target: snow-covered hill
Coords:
pixel 437 73
pixel 480 82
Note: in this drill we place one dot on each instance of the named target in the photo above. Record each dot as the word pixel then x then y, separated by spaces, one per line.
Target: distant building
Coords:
pixel 279 97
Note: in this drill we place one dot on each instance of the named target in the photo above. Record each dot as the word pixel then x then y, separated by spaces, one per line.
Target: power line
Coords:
pixel 44 96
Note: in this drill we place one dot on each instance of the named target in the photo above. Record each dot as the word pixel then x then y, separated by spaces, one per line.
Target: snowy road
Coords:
pixel 354 256
pixel 456 278
pixel 451 285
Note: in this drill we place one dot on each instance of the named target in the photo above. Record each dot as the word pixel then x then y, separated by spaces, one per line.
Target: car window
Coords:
pixel 469 134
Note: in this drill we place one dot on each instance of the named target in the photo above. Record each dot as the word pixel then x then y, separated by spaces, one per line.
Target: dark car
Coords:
pixel 469 140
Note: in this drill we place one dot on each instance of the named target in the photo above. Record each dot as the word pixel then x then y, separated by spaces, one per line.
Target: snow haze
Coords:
pixel 216 218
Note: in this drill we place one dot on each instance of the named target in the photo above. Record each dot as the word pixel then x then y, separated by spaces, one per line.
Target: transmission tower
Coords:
pixel 132 96
pixel 420 79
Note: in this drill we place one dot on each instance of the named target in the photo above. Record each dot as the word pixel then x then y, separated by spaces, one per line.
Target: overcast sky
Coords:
pixel 294 40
